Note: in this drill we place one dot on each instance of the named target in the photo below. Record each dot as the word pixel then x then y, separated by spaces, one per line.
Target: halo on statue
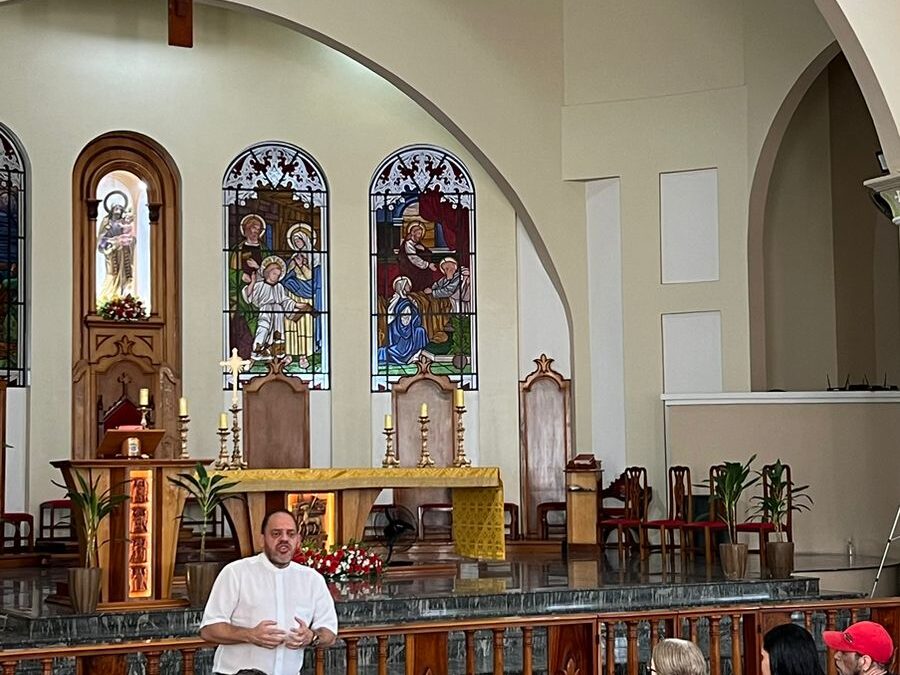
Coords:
pixel 113 193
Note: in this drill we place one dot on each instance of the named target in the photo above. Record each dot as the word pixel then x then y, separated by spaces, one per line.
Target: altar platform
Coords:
pixel 523 587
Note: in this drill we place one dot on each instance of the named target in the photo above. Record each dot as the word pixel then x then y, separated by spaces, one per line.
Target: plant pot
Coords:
pixel 200 578
pixel 780 559
pixel 734 560
pixel 84 589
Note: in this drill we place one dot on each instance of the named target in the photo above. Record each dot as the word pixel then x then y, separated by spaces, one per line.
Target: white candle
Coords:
pixel 182 407
pixel 388 422
pixel 458 399
pixel 223 420
pixel 144 397
pixel 424 411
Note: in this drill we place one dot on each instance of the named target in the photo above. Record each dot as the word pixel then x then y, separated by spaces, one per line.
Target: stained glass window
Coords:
pixel 13 201
pixel 276 262
pixel 422 245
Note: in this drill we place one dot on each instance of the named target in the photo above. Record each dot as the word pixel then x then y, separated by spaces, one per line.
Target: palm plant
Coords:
pixel 92 506
pixel 729 485
pixel 781 497
pixel 209 491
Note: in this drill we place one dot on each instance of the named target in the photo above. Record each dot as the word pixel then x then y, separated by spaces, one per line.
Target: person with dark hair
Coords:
pixel 789 649
pixel 263 611
pixel 865 648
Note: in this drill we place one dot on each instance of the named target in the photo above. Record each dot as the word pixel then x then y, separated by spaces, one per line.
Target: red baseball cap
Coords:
pixel 864 637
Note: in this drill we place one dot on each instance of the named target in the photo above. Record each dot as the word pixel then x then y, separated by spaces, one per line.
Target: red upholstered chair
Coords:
pixel 764 526
pixel 681 512
pixel 633 512
pixel 713 522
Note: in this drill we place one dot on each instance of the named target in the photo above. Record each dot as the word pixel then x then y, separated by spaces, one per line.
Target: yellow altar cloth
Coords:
pixel 477 494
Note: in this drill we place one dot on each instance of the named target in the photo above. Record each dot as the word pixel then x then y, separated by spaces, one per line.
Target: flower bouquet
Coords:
pixel 349 561
pixel 123 308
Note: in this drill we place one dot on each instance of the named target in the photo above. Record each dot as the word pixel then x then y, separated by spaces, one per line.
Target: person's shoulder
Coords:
pixel 241 565
pixel 305 571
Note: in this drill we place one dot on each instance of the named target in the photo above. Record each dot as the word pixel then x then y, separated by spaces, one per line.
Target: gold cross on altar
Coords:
pixel 235 365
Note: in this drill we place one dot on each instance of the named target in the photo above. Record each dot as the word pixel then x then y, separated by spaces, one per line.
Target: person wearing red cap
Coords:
pixel 865 648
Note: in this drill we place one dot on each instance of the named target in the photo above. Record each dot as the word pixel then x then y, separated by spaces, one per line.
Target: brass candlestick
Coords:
pixel 145 410
pixel 459 456
pixel 183 421
pixel 425 459
pixel 390 459
pixel 237 456
pixel 222 460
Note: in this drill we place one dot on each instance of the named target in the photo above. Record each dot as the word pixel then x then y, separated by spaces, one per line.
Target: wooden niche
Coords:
pixel 126 208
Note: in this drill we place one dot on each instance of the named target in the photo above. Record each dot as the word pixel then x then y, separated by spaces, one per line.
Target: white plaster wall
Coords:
pixel 91 70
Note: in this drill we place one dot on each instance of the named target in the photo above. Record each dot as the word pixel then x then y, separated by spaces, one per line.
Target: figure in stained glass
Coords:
pixel 423 219
pixel 276 235
pixel 13 201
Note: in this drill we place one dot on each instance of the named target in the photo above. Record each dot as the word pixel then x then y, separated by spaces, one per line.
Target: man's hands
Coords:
pixel 267 634
pixel 300 636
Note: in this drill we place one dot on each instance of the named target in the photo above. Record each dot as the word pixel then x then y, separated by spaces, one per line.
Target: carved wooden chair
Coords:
pixel 713 521
pixel 634 511
pixel 764 527
pixel 681 512
pixel 545 448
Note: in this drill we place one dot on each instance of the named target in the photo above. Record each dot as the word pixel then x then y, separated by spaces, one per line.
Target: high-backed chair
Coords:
pixel 545 448
pixel 713 521
pixel 407 396
pixel 681 511
pixel 764 527
pixel 633 513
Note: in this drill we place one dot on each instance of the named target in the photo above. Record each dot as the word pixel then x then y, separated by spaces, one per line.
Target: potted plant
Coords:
pixel 728 488
pixel 90 507
pixel 209 491
pixel 775 506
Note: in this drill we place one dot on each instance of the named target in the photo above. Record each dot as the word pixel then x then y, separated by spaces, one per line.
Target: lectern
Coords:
pixel 142 534
pixel 583 480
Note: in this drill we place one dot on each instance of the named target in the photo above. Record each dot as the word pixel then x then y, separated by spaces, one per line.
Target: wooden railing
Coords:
pixel 610 643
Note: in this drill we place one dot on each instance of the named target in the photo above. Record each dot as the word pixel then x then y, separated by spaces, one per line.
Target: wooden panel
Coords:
pixel 570 649
pixel 544 403
pixel 426 654
pixel 276 421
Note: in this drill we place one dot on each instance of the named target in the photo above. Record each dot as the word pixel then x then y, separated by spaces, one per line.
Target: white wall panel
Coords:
pixel 689 225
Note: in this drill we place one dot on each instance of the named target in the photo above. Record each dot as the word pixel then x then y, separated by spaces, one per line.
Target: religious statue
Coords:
pixel 138 491
pixel 116 242
pixel 138 579
pixel 138 551
pixel 138 520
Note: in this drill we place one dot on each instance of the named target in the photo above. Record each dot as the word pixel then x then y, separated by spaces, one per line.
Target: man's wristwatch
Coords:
pixel 315 640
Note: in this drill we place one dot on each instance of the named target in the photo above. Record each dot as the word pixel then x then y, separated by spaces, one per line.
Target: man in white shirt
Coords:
pixel 264 610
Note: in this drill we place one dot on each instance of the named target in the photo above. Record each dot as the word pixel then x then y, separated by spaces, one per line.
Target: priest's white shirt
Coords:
pixel 251 590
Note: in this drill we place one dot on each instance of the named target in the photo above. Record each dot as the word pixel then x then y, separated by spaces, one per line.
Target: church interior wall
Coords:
pixel 247 80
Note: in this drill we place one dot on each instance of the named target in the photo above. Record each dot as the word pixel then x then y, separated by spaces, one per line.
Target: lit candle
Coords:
pixel 182 407
pixel 458 399
pixel 144 397
pixel 388 422
pixel 223 420
pixel 424 410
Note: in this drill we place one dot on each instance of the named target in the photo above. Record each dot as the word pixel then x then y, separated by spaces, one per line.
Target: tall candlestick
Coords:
pixel 144 397
pixel 390 459
pixel 425 457
pixel 459 449
pixel 237 455
pixel 222 460
pixel 182 407
pixel 388 422
pixel 183 421
pixel 423 412
pixel 223 420
pixel 458 398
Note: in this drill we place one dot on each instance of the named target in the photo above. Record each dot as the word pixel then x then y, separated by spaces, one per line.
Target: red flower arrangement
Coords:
pixel 123 308
pixel 345 562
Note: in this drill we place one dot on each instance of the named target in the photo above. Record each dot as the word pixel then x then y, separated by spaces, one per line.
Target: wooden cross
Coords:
pixel 235 365
pixel 181 23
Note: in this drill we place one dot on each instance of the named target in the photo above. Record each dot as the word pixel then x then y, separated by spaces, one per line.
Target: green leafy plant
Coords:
pixel 728 487
pixel 92 505
pixel 783 496
pixel 209 491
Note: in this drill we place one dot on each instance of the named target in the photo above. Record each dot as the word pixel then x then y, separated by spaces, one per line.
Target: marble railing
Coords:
pixel 610 643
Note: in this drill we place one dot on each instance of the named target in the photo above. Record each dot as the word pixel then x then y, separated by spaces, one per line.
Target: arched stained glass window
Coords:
pixel 13 202
pixel 422 245
pixel 276 262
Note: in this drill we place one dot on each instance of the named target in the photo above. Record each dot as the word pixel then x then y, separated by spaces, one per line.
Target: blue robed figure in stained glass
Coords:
pixel 405 335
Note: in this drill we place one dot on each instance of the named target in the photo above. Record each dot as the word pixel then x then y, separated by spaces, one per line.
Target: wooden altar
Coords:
pixel 139 559
pixel 477 495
